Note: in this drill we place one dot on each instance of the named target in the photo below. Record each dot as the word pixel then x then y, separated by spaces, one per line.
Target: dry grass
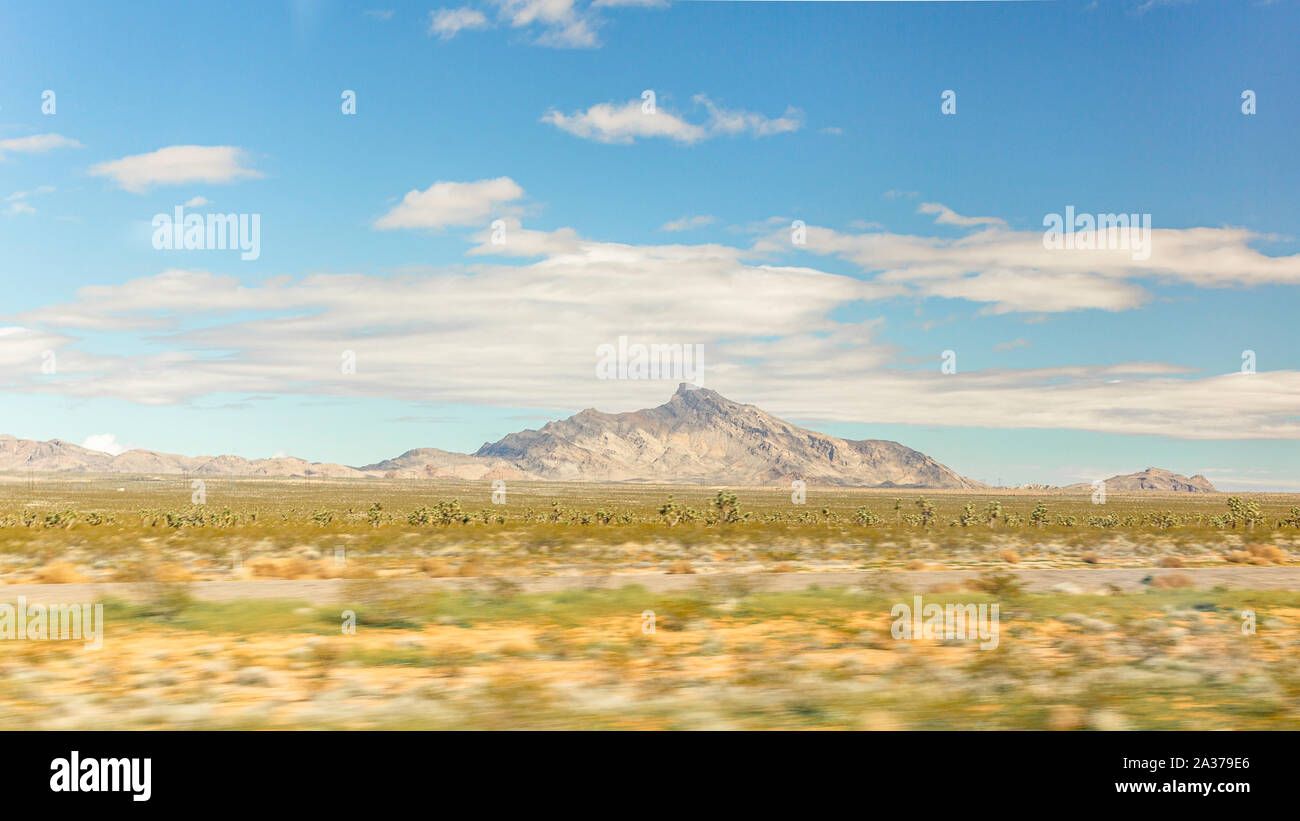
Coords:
pixel 1090 558
pixel 1259 554
pixel 60 573
pixel 1169 561
pixel 1008 555
pixel 171 572
pixel 438 568
pixel 946 587
pixel 1171 581
pixel 681 567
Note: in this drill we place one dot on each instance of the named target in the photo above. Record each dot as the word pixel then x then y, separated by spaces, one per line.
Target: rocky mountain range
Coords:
pixel 697 437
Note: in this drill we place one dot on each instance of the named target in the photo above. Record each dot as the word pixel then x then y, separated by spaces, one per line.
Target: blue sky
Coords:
pixel 1070 365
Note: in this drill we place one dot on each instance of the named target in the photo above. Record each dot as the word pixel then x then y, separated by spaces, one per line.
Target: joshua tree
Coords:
pixel 1247 513
pixel 866 517
pixel 927 511
pixel 967 517
pixel 1039 516
pixel 728 507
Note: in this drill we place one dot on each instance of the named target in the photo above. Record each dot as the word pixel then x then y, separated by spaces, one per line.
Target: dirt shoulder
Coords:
pixel 1091 580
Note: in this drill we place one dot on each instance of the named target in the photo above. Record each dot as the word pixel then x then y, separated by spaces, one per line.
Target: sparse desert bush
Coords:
pixel 471 569
pixel 1169 561
pixel 59 573
pixel 681 567
pixel 1267 553
pixel 1171 581
pixel 1257 554
pixel 1008 555
pixel 1090 558
pixel 438 568
pixel 172 572
pixel 294 567
pixel 916 564
pixel 999 585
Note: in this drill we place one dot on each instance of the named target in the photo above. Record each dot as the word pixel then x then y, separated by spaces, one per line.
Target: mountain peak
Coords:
pixel 700 437
pixel 695 397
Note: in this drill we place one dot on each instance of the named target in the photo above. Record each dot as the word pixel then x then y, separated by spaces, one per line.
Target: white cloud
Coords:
pixel 24 350
pixel 947 216
pixel 447 23
pixel 105 443
pixel 176 165
pixel 627 122
pixel 196 202
pixel 610 123
pixel 1011 271
pixel 452 203
pixel 19 208
pixel 553 23
pixel 379 14
pixel 562 23
pixel 37 144
pixel 734 121
pixel 525 335
pixel 688 223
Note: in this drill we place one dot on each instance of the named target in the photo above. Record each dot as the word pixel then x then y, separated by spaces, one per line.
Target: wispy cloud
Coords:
pixel 447 23
pixel 1019 342
pixel 688 223
pixel 452 203
pixel 947 216
pixel 1011 271
pixel 36 144
pixel 552 23
pixel 627 122
pixel 177 165
pixel 534 327
pixel 19 205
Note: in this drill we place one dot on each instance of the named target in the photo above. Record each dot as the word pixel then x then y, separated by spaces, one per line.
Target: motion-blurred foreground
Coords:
pixel 289 607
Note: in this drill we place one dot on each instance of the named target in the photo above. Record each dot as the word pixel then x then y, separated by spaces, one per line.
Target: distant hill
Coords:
pixel 1154 479
pixel 697 437
pixel 59 456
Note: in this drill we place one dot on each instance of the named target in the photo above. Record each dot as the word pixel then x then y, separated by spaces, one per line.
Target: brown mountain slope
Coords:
pixel 699 436
pixel 432 463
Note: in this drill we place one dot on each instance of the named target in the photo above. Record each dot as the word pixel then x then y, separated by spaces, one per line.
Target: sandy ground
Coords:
pixel 332 591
